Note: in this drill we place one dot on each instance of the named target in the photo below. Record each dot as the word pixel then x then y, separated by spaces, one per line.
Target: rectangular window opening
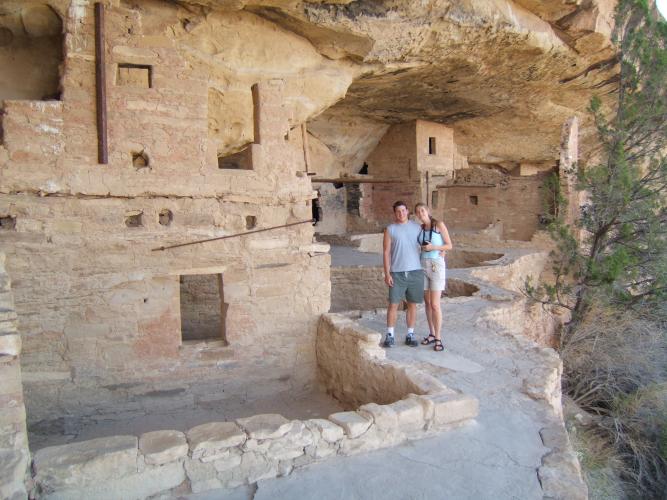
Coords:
pixel 134 75
pixel 434 199
pixel 431 145
pixel 203 308
pixel 237 161
pixel 473 200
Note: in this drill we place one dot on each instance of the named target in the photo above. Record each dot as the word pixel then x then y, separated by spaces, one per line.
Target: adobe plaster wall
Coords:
pixel 98 309
pixel 14 453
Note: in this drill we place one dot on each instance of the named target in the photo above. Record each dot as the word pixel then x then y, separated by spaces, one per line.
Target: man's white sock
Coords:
pixel 390 330
pixel 411 331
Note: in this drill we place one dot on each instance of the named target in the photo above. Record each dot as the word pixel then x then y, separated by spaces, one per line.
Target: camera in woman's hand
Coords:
pixel 426 242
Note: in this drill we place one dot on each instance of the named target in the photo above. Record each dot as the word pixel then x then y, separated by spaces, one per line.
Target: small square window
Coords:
pixel 473 200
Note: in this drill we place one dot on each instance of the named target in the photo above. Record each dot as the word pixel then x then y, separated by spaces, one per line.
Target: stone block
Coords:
pixel 448 408
pixel 555 437
pixel 255 467
pixel 427 405
pixel 231 460
pixel 329 431
pixel 10 345
pixel 150 481
pixel 384 417
pixel 82 464
pixel 409 414
pixel 198 471
pixel 265 426
pixel 372 439
pixel 208 441
pixel 161 447
pixel 292 444
pixel 560 477
pixel 352 423
pixel 13 468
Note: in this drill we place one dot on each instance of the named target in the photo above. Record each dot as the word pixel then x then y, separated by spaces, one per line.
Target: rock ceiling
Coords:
pixel 504 74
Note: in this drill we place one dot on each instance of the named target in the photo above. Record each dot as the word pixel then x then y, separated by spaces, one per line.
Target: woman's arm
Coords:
pixel 445 237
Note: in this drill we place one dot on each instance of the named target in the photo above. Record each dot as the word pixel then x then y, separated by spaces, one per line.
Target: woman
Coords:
pixel 434 241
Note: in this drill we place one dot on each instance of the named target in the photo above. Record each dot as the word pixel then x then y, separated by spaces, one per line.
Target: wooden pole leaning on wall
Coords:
pixel 100 86
pixel 158 249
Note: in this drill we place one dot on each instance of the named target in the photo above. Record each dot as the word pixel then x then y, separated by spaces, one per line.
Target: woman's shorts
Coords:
pixel 407 286
pixel 435 272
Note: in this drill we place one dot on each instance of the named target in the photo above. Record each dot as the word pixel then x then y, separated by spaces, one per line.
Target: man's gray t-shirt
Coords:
pixel 404 247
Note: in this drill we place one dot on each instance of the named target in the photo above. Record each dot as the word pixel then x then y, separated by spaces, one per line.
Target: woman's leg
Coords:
pixel 435 315
pixel 427 309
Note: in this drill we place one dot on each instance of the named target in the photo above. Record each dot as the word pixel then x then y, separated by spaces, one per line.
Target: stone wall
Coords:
pixel 14 454
pixel 98 307
pixel 229 454
pixel 515 202
pixel 357 288
pixel 412 159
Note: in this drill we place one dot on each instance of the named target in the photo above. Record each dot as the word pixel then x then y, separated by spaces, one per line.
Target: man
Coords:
pixel 402 272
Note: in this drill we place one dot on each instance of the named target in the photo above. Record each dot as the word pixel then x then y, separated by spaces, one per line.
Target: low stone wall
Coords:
pixel 14 454
pixel 230 454
pixel 357 288
pixel 512 270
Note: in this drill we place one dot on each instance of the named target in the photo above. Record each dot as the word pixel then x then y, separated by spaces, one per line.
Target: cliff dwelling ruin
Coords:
pixel 131 126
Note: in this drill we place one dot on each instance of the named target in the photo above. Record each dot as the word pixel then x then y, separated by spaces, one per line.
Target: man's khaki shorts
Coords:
pixel 408 286
pixel 435 271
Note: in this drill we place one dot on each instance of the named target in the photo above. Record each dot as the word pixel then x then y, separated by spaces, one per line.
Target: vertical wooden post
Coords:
pixel 100 86
pixel 304 140
pixel 256 113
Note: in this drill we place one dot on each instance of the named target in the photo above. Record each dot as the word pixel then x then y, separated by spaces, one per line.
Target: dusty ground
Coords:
pixel 496 457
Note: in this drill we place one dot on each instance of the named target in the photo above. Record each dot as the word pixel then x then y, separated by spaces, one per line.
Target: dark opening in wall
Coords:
pixel 134 75
pixel 353 193
pixel 250 222
pixel 236 161
pixel 140 160
pixel 473 200
pixel 203 309
pixel 165 217
pixel 434 199
pixel 31 51
pixel 8 222
pixel 431 145
pixel 134 219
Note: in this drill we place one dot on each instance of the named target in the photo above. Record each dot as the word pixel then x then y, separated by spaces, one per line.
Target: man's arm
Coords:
pixel 386 258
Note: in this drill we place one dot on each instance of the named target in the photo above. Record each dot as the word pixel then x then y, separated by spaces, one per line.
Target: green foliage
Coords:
pixel 623 254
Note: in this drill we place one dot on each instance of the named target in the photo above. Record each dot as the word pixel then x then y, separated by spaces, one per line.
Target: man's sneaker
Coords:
pixel 388 341
pixel 411 340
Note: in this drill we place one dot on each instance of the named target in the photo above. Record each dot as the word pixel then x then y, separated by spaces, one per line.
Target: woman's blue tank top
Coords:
pixel 436 239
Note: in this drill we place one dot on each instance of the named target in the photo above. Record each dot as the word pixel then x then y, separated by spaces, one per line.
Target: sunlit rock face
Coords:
pixel 504 74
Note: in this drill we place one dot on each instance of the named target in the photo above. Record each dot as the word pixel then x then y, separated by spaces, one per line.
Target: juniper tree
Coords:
pixel 622 258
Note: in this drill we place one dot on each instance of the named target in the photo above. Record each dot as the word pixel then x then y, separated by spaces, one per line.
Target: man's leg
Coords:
pixel 392 314
pixel 411 315
pixel 414 295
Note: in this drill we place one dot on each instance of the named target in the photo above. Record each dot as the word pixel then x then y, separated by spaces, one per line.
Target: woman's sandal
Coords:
pixel 428 340
pixel 438 345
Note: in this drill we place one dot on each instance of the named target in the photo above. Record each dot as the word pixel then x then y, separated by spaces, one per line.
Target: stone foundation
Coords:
pixel 14 453
pixel 394 403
